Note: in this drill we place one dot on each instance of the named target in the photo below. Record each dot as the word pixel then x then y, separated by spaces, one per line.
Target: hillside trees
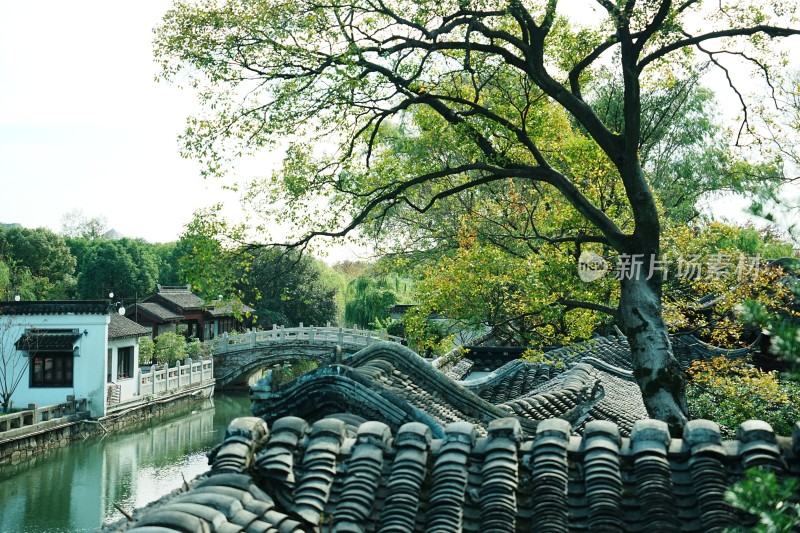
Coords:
pixel 38 262
pixel 342 73
pixel 126 267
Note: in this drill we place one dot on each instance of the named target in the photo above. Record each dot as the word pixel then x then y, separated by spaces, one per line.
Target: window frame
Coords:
pixel 125 359
pixel 65 365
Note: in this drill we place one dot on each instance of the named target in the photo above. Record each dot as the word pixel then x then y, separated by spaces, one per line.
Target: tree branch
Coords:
pixel 577 304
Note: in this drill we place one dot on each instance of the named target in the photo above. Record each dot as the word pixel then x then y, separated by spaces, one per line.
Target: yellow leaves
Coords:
pixel 731 377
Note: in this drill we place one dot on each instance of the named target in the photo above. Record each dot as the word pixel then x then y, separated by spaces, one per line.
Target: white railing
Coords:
pixel 181 376
pixel 310 334
pixel 35 415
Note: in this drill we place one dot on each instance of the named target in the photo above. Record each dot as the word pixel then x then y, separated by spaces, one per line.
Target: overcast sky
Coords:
pixel 83 124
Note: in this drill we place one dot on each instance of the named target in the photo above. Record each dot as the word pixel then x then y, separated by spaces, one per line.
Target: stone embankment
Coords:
pixel 37 430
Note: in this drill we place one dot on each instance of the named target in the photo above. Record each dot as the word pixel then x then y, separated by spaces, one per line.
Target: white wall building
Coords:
pixel 122 358
pixel 53 349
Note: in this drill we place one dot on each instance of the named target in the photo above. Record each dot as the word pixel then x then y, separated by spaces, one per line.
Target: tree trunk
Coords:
pixel 655 368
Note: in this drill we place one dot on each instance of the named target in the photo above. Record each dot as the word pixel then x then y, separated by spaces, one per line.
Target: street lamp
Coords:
pixel 118 305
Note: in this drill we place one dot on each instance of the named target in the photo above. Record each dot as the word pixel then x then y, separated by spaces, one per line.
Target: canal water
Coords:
pixel 76 488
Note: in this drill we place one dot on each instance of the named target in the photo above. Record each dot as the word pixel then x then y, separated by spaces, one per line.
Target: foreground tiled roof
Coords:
pixel 385 382
pixel 121 328
pixel 389 382
pixel 296 476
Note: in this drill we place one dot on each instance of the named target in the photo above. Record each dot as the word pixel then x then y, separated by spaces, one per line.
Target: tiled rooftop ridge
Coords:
pixel 297 476
pixel 390 383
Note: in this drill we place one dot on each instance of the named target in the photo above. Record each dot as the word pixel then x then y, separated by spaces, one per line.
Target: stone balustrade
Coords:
pixel 181 376
pixel 33 417
pixel 303 334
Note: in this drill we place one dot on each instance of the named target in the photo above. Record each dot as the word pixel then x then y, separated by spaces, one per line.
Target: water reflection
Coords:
pixel 76 488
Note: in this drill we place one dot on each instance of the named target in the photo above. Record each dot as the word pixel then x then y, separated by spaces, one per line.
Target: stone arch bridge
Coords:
pixel 238 357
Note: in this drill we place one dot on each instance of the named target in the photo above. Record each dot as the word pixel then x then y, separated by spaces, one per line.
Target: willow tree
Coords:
pixel 325 78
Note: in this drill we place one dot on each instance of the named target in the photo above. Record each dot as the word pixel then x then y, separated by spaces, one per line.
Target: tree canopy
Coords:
pixel 37 263
pixel 288 289
pixel 510 82
pixel 126 267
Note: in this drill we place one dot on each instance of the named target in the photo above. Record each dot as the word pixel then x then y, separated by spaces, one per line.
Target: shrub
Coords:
pixel 170 347
pixel 146 350
pixel 730 392
pixel 198 350
pixel 774 503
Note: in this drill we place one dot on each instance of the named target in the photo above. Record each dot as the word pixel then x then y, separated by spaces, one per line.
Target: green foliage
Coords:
pixel 198 350
pixel 169 348
pixel 781 324
pixel 402 109
pixel 168 255
pixel 731 392
pixel 76 225
pixel 772 501
pixel 287 373
pixel 425 336
pixel 684 147
pixel 211 264
pixel 368 301
pixel 287 288
pixel 396 328
pixel 146 350
pixel 733 271
pixel 40 265
pixel 126 267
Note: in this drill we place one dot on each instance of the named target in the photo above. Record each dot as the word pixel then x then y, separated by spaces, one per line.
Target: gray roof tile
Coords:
pixel 121 327
pixel 548 481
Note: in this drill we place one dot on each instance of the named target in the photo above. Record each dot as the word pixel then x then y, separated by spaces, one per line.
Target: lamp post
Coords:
pixel 118 305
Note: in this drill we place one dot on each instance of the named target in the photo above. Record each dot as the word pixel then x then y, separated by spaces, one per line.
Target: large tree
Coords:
pixel 40 263
pixel 339 72
pixel 126 267
pixel 288 289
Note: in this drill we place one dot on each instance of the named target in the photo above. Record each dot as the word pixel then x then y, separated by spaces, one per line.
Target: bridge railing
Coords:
pixel 308 334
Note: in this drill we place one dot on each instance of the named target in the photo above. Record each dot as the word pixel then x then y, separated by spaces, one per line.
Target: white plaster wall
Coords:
pixel 89 368
pixel 129 387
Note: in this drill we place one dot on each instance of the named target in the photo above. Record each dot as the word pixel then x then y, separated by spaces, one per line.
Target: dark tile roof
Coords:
pixel 121 327
pixel 181 297
pixel 178 300
pixel 48 340
pixel 55 307
pixel 389 382
pixel 157 310
pixel 218 309
pixel 295 475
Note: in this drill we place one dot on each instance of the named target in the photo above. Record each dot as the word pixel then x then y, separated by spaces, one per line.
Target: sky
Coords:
pixel 84 125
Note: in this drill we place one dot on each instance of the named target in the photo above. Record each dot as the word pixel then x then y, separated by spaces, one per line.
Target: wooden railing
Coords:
pixel 181 376
pixel 310 334
pixel 35 415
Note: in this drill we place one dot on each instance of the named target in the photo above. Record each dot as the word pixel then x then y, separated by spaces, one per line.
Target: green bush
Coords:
pixel 146 350
pixel 170 347
pixel 730 392
pixel 773 503
pixel 198 350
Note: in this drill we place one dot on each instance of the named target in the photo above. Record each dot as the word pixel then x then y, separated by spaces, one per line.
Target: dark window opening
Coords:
pixel 125 363
pixel 51 369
